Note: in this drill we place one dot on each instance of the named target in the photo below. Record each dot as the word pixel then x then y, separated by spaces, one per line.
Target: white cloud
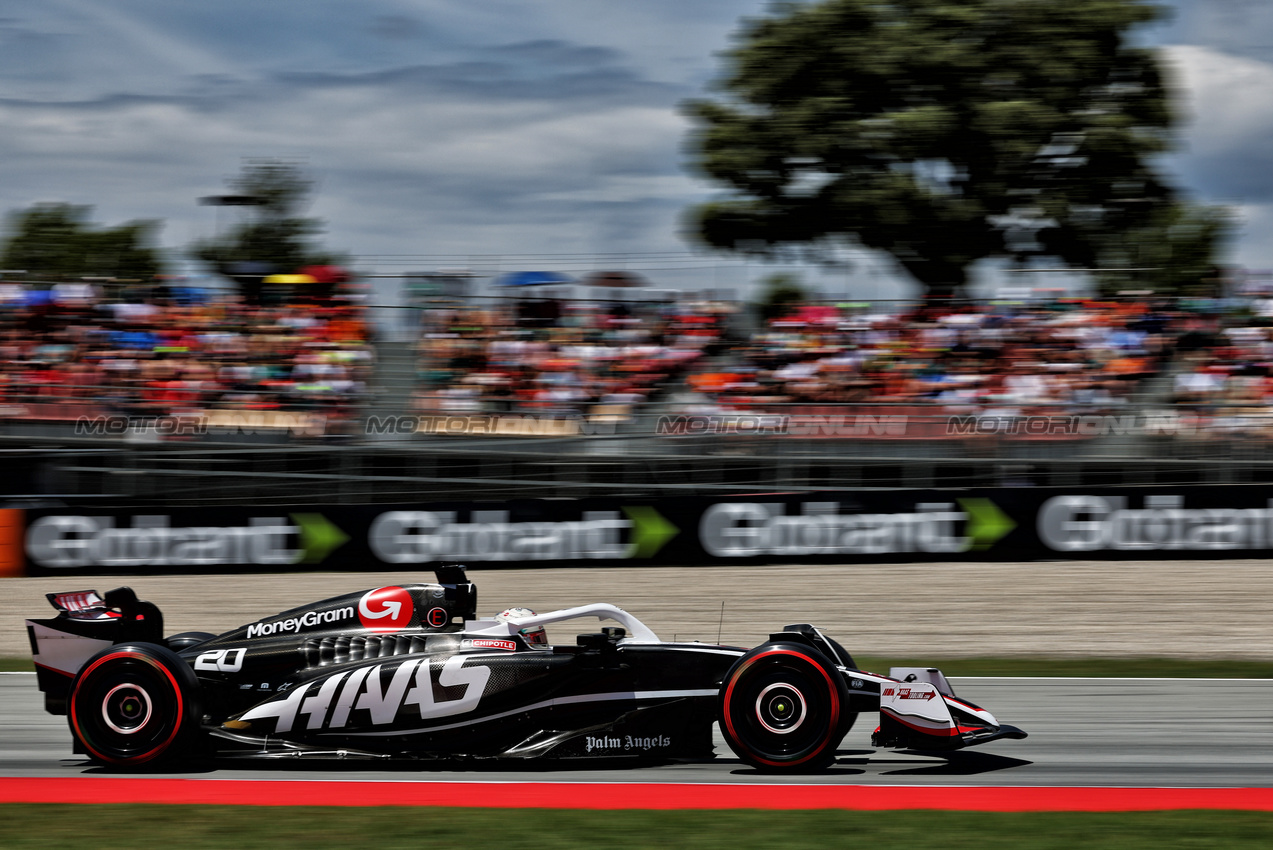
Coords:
pixel 1225 156
pixel 1226 98
pixel 143 40
pixel 505 127
pixel 1255 250
pixel 406 163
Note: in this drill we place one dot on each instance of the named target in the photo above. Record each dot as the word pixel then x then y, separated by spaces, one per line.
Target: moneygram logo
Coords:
pixel 386 609
pixel 308 620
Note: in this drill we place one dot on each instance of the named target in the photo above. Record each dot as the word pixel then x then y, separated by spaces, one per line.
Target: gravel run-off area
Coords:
pixel 1180 609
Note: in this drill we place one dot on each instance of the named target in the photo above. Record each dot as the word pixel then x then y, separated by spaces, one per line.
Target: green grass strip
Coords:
pixel 194 827
pixel 1133 668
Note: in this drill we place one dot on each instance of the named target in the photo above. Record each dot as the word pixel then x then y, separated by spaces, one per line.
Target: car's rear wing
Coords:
pixel 86 623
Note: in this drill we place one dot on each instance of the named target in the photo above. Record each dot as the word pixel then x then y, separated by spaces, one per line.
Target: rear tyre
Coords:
pixel 784 707
pixel 134 705
pixel 185 640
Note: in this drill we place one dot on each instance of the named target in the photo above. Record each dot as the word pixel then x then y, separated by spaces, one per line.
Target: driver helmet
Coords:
pixel 535 635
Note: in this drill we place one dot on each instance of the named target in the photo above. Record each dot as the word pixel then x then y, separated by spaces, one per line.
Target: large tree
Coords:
pixel 1176 251
pixel 940 131
pixel 274 235
pixel 57 242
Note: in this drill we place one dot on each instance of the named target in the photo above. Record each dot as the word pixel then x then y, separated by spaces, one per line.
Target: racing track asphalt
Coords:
pixel 1162 733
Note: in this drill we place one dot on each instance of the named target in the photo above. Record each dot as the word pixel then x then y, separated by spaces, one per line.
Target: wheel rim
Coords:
pixel 127 708
pixel 781 709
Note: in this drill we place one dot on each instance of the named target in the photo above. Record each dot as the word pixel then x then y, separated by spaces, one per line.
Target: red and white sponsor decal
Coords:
pixel 489 643
pixel 386 609
pixel 86 605
pixel 908 693
pixel 437 617
pixel 79 601
pixel 911 693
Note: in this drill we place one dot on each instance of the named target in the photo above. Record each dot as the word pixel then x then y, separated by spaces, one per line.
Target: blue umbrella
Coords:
pixel 533 279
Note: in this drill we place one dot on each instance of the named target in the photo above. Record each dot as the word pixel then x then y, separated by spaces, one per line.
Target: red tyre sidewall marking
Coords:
pixel 835 702
pixel 176 689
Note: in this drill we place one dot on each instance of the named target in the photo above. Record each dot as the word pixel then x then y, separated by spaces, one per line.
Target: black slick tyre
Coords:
pixel 784 708
pixel 185 640
pixel 134 705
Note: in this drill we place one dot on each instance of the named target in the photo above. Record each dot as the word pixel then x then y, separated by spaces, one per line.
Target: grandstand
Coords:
pixel 159 397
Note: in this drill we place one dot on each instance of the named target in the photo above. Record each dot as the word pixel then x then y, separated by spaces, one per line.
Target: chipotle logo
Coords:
pixel 489 643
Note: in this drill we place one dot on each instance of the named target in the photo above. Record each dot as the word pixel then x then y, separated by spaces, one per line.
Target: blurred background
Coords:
pixel 653 251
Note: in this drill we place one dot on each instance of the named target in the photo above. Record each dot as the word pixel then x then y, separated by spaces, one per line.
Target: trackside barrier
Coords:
pixel 1016 524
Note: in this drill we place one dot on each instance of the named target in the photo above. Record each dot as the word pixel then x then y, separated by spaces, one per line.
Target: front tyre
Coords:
pixel 133 705
pixel 784 707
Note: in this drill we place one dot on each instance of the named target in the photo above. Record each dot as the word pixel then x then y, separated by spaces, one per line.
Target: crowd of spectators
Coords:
pixel 1224 368
pixel 997 359
pixel 546 356
pixel 76 350
pixel 84 349
pixel 1067 357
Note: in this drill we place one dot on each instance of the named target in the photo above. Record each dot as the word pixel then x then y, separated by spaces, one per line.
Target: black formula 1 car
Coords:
pixel 410 672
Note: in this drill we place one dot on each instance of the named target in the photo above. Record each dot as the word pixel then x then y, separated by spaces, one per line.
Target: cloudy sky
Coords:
pixel 500 135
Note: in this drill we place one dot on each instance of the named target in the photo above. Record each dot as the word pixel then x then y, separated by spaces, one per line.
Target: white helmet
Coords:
pixel 535 635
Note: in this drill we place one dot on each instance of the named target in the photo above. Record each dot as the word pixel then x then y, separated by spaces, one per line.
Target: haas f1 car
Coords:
pixel 410 672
